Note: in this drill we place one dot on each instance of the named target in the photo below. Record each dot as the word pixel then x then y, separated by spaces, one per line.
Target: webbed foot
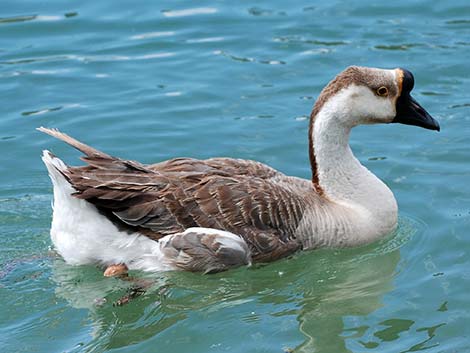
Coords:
pixel 116 270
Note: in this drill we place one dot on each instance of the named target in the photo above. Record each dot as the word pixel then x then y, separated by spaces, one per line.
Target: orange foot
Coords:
pixel 116 270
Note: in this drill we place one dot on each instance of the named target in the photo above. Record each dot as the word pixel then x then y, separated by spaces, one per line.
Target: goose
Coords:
pixel 215 214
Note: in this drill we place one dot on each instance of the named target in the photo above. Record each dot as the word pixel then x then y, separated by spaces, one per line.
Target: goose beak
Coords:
pixel 409 112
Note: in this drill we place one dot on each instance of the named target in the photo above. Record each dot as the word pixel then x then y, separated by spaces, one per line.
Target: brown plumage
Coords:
pixel 244 197
pixel 199 252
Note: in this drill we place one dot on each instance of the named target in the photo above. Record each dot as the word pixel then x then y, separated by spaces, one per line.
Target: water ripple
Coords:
pixel 464 105
pixel 152 35
pixel 304 40
pixel 189 12
pixel 18 19
pixel 248 59
pixel 205 40
pixel 41 111
pixel 49 18
pixel 89 58
pixel 49 110
pixel 44 18
pixel 316 51
pixel 397 46
pixel 256 11
pixel 458 22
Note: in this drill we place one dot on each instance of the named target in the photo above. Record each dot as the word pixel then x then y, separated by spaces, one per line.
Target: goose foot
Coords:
pixel 117 270
pixel 133 292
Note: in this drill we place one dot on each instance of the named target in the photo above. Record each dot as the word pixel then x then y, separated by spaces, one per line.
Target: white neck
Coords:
pixel 344 180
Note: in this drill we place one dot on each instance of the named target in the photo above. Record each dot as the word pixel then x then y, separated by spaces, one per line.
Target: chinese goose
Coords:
pixel 211 215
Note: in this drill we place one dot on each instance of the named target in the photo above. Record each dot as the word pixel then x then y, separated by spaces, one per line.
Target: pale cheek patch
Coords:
pixel 374 109
pixel 364 107
pixel 383 111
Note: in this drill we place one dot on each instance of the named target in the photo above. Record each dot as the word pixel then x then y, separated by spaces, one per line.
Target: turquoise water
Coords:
pixel 149 81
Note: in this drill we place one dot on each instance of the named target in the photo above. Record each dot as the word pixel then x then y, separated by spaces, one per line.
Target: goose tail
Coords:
pixel 85 149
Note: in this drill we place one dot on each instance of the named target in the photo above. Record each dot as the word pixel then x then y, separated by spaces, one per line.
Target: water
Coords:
pixel 150 81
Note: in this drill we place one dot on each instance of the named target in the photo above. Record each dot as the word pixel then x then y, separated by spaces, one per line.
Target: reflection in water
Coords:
pixel 356 290
pixel 318 288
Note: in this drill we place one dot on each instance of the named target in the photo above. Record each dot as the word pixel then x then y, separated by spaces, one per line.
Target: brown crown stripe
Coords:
pixel 311 154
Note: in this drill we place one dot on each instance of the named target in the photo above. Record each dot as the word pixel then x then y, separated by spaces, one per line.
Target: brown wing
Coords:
pixel 171 196
pixel 215 166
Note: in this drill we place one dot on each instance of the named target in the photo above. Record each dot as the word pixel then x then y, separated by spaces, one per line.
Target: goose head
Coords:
pixel 363 95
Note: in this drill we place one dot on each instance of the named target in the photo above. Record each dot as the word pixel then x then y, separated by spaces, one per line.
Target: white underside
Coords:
pixel 82 235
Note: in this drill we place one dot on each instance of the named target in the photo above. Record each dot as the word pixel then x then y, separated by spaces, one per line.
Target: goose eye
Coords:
pixel 382 91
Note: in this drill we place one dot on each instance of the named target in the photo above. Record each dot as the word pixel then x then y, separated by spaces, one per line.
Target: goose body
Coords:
pixel 211 215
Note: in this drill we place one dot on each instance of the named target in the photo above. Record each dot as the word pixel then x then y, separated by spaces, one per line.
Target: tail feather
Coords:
pixel 95 158
pixel 87 150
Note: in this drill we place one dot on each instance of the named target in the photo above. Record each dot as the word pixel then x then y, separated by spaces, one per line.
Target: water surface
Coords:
pixel 149 81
